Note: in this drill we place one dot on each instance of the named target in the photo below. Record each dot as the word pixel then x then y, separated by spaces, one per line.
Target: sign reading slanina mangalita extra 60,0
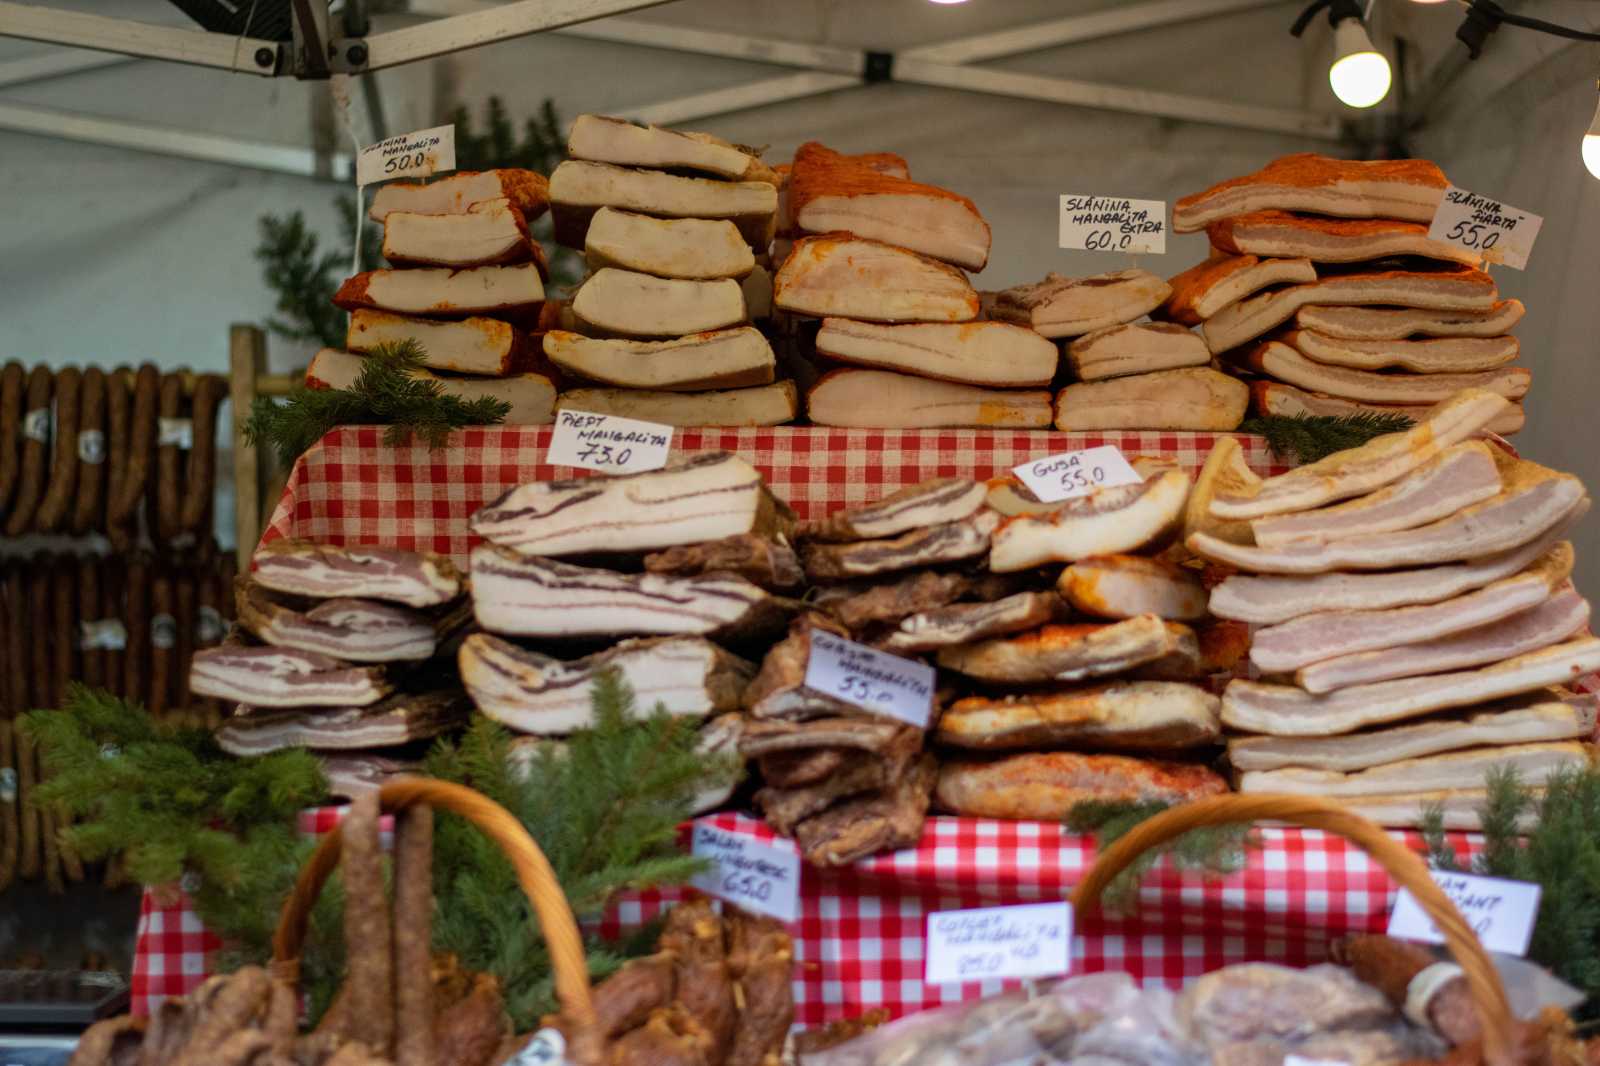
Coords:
pixel 1113 224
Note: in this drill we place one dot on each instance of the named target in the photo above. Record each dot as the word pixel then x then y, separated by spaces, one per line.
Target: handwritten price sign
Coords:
pixel 1502 234
pixel 408 155
pixel 1501 912
pixel 1113 224
pixel 990 943
pixel 608 443
pixel 758 877
pixel 1070 474
pixel 872 680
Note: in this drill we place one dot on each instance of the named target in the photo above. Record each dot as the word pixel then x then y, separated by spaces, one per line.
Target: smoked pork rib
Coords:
pixel 537 694
pixel 603 139
pixel 531 397
pixel 492 290
pixel 829 193
pixel 879 399
pixel 699 249
pixel 579 188
pixel 716 359
pixel 712 495
pixel 847 277
pixel 1280 234
pixel 1045 786
pixel 995 354
pixel 1407 189
pixel 1278 360
pixel 758 405
pixel 1223 280
pixel 454 194
pixel 1398 323
pixel 1067 652
pixel 1284 710
pixel 1276 398
pixel 1439 355
pixel 1070 307
pixel 328 571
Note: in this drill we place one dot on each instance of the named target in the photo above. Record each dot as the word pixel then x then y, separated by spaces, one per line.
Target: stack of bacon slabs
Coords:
pixel 675 228
pixel 466 282
pixel 876 264
pixel 1325 289
pixel 1416 619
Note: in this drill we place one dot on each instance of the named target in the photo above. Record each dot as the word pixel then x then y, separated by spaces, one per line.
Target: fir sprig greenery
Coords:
pixel 1217 850
pixel 386 392
pixel 1307 438
pixel 304 277
pixel 1560 852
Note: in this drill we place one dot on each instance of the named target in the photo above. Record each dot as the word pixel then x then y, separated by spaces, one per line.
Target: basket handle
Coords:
pixel 533 871
pixel 1407 869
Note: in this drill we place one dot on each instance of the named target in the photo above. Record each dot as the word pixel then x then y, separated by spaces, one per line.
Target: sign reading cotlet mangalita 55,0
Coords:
pixel 1113 224
pixel 870 679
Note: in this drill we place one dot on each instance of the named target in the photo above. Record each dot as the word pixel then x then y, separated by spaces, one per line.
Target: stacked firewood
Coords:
pixel 468 289
pixel 343 651
pixel 1440 583
pixel 676 229
pixel 1324 287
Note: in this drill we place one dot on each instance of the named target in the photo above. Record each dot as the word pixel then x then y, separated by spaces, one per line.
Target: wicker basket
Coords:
pixel 538 881
pixel 1407 869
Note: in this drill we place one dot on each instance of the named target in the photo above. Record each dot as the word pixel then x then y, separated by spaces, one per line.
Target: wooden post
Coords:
pixel 247 360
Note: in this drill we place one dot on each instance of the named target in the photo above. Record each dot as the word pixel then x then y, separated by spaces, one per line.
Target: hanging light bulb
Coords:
pixel 1360 74
pixel 1591 142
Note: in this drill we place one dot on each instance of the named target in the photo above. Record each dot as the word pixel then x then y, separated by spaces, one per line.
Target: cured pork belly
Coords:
pixel 847 277
pixel 968 623
pixel 1195 398
pixel 1124 586
pixel 356 630
pixel 1208 287
pixel 928 503
pixel 718 740
pixel 1067 652
pixel 602 139
pixel 933 545
pixel 579 188
pixel 532 397
pixel 1108 521
pixel 1408 189
pixel 1534 500
pixel 1135 348
pixel 1224 471
pixel 1045 786
pixel 1323 635
pixel 1442 355
pixel 455 194
pixel 764 561
pixel 996 354
pixel 489 234
pixel 1552 714
pixel 524 596
pixel 718 359
pixel 1123 715
pixel 400 719
pixel 1330 240
pixel 866 825
pixel 707 497
pixel 1462 809
pixel 1457 289
pixel 1264 600
pixel 830 193
pixel 327 571
pixel 514 291
pixel 534 693
pixel 264 676
pixel 1532 763
pixel 878 399
pixel 696 249
pixel 471 346
pixel 1394 323
pixel 1276 398
pixel 1284 710
pixel 1279 360
pixel 1070 307
pixel 629 304
pixel 1459 477
pixel 1558 618
pixel 763 405
pixel 1371 466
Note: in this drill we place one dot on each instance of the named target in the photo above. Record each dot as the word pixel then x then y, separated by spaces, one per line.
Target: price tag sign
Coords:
pixel 175 431
pixel 609 443
pixel 1501 912
pixel 871 679
pixel 1113 224
pixel 764 878
pixel 1296 1060
pixel 1070 474
pixel 1502 234
pixel 547 1048
pixel 408 155
pixel 92 447
pixel 1032 940
pixel 36 425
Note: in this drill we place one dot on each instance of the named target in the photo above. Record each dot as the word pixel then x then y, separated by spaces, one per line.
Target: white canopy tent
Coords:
pixel 135 184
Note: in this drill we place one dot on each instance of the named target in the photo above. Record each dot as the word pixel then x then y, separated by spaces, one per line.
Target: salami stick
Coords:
pixel 413 937
pixel 183 597
pixel 171 434
pixel 35 444
pixel 92 656
pixel 163 642
pixel 90 501
pixel 119 410
pixel 201 483
pixel 368 936
pixel 136 619
pixel 19 653
pixel 63 483
pixel 13 384
pixel 141 450
pixel 43 671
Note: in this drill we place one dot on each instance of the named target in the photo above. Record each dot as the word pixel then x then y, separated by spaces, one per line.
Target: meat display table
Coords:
pixel 859 938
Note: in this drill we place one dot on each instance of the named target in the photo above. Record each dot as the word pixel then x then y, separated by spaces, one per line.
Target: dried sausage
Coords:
pixel 209 392
pixel 173 435
pixel 119 409
pixel 136 471
pixel 136 619
pixel 36 439
pixel 13 382
pixel 90 502
pixel 63 484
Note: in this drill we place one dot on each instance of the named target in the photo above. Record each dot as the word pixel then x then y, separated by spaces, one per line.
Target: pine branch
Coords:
pixel 304 279
pixel 1215 850
pixel 386 392
pixel 1307 438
